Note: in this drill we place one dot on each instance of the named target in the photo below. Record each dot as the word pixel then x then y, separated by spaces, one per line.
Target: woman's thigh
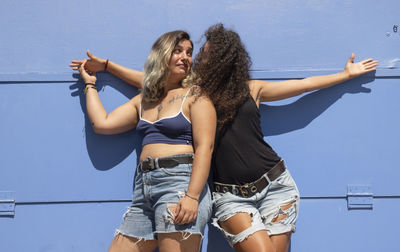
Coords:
pixel 179 242
pixel 122 243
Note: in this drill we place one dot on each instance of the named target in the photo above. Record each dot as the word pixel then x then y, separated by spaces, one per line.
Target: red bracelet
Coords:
pixel 105 66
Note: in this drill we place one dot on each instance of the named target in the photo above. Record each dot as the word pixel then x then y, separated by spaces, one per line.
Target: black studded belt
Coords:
pixel 252 188
pixel 150 164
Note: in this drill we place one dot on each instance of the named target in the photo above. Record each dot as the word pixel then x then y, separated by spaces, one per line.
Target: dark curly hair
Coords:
pixel 222 70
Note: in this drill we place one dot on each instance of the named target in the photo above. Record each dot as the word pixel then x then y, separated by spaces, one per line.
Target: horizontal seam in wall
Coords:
pixel 267 74
pixel 127 200
pixel 70 202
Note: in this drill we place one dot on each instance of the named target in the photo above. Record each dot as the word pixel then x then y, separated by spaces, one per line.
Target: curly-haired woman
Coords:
pixel 256 200
pixel 172 201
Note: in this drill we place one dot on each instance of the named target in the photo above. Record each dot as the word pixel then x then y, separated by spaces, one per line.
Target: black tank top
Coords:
pixel 241 155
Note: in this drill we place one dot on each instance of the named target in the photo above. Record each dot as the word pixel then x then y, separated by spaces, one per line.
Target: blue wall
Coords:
pixel 71 186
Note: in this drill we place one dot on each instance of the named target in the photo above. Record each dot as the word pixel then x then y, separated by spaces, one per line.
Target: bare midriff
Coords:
pixel 162 150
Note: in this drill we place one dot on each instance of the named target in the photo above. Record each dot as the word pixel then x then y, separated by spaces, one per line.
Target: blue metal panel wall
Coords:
pixel 71 186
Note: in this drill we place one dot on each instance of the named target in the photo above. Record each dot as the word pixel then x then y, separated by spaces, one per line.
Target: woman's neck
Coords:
pixel 173 83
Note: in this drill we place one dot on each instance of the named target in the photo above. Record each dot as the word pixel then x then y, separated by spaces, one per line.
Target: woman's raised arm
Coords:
pixel 272 91
pixel 121 119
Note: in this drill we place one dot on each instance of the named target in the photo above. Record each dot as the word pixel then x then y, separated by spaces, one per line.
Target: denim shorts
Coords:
pixel 263 207
pixel 154 191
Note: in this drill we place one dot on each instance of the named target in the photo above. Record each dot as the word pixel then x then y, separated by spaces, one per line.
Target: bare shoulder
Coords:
pixel 135 101
pixel 258 84
pixel 196 95
pixel 255 89
pixel 258 88
pixel 195 90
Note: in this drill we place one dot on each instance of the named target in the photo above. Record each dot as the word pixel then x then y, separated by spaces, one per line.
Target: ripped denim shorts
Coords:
pixel 156 190
pixel 264 207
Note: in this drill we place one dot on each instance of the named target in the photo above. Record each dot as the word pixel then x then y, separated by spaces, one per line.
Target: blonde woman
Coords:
pixel 171 203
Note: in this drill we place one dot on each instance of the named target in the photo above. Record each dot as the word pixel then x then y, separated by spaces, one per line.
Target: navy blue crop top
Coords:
pixel 176 129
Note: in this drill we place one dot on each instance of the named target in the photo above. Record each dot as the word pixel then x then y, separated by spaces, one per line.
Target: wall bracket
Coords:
pixel 359 197
pixel 7 204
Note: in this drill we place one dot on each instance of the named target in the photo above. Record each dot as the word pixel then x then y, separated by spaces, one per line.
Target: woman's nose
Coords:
pixel 184 56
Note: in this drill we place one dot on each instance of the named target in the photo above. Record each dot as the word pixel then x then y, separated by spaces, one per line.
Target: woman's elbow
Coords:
pixel 101 129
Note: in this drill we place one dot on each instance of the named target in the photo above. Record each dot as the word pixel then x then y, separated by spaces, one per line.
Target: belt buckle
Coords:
pixel 235 191
pixel 243 190
pixel 148 165
pixel 152 164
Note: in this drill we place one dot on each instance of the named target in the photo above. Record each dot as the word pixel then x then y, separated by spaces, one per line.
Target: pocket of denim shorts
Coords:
pixel 216 197
pixel 285 180
pixel 180 170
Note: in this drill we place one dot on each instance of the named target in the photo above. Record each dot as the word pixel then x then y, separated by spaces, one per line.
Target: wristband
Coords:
pixel 105 66
pixel 89 86
pixel 191 197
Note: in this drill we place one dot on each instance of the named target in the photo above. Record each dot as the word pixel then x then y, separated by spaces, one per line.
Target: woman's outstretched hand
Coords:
pixel 93 64
pixel 359 68
pixel 87 77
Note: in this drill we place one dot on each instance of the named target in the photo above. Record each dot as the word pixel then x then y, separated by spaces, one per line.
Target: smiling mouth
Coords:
pixel 182 66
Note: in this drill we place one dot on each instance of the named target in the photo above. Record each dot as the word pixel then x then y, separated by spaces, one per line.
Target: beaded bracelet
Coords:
pixel 191 197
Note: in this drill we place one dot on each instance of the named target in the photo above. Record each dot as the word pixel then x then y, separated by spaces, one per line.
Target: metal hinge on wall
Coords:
pixel 7 204
pixel 359 197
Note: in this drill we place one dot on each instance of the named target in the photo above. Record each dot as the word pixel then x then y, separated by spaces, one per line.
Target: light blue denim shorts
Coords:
pixel 263 207
pixel 154 191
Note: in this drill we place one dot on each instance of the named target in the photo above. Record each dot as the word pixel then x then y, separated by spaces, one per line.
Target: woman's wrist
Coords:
pixel 347 74
pixel 191 197
pixel 89 85
pixel 106 65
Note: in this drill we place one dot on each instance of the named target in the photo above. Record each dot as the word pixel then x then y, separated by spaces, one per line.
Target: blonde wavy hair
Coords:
pixel 156 70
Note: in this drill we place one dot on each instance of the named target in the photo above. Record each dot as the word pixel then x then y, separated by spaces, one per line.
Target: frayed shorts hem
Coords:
pixel 185 235
pixel 274 229
pixel 282 229
pixel 139 238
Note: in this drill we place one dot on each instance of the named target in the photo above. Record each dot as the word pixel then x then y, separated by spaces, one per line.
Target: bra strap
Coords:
pixel 184 98
pixel 140 110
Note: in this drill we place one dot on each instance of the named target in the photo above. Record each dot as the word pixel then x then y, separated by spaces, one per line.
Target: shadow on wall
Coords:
pixel 276 120
pixel 107 151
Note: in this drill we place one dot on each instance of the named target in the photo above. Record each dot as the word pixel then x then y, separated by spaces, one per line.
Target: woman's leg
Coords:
pixel 258 241
pixel 177 242
pixel 281 242
pixel 122 243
